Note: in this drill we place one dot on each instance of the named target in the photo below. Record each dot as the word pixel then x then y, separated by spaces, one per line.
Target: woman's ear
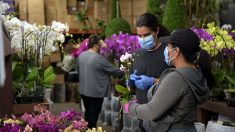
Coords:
pixel 156 33
pixel 158 30
pixel 177 51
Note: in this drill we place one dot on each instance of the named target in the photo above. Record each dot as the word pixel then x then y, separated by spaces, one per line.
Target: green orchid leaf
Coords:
pixel 13 65
pixel 49 78
pixel 126 98
pixel 33 74
pixel 232 75
pixel 48 71
pixel 230 79
pixel 29 84
pixel 219 76
pixel 231 90
pixel 17 73
pixel 124 101
pixel 121 89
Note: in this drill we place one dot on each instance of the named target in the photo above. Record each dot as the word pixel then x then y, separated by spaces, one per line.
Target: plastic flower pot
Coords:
pixel 126 120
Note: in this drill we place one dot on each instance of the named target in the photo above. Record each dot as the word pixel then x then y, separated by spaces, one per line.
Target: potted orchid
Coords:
pixel 43 120
pixel 126 62
pixel 30 43
pixel 119 50
pixel 220 44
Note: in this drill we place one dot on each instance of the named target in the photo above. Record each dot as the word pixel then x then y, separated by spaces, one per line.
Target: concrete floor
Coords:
pixel 56 108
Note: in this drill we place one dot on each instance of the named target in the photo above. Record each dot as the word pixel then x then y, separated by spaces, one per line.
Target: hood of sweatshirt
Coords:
pixel 196 81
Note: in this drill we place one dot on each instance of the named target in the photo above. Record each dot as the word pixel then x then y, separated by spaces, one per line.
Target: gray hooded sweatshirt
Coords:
pixel 173 101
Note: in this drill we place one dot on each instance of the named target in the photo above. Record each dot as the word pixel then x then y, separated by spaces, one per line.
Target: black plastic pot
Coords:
pixel 28 99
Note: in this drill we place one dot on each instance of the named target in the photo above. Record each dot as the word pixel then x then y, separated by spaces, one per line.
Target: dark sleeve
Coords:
pixel 168 93
pixel 109 68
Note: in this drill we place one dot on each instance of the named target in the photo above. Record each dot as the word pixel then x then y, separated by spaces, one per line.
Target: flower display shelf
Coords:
pixel 79 31
pixel 204 111
pixel 27 108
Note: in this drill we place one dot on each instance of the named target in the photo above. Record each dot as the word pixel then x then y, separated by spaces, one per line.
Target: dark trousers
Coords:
pixel 92 109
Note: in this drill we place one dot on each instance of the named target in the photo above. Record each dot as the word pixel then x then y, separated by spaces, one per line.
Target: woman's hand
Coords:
pixel 126 106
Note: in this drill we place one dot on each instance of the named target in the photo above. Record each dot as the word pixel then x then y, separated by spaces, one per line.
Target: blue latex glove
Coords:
pixel 134 77
pixel 131 81
pixel 144 82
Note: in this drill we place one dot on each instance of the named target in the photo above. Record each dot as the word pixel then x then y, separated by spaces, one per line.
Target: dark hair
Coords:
pixel 203 62
pixel 93 40
pixel 151 21
pixel 190 57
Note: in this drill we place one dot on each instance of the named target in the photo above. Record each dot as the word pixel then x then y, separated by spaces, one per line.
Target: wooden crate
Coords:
pixel 46 61
pixel 36 12
pixel 23 10
pixel 139 7
pixel 55 57
pixel 100 8
pixel 126 7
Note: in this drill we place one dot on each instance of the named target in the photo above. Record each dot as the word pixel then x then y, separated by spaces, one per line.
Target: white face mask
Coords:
pixel 166 55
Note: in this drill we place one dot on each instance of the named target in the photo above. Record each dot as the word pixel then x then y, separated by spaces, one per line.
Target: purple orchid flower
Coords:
pixel 118 45
pixel 202 34
pixel 83 47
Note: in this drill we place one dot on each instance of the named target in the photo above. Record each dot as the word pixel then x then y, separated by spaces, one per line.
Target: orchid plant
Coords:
pixel 44 121
pixel 30 43
pixel 220 44
pixel 126 61
pixel 120 48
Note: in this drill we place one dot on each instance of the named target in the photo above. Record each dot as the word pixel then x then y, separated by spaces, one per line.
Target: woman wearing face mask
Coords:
pixel 149 60
pixel 173 101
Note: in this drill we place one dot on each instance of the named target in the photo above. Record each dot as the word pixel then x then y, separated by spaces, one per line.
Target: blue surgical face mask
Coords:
pixel 167 59
pixel 147 42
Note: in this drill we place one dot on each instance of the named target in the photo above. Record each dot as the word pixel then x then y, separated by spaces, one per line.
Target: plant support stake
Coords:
pixel 2 61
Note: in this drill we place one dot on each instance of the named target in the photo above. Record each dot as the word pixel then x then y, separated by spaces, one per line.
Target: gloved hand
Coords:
pixel 126 106
pixel 134 77
pixel 131 81
pixel 144 82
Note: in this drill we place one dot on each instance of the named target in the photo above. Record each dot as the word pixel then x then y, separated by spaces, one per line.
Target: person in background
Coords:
pixel 94 77
pixel 173 100
pixel 149 60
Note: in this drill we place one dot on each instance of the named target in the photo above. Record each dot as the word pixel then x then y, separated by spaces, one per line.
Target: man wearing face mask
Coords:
pixel 149 60
pixel 94 77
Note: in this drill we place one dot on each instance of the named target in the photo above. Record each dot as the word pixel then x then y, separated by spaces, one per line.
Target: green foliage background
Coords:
pixel 114 9
pixel 175 15
pixel 116 25
pixel 154 7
